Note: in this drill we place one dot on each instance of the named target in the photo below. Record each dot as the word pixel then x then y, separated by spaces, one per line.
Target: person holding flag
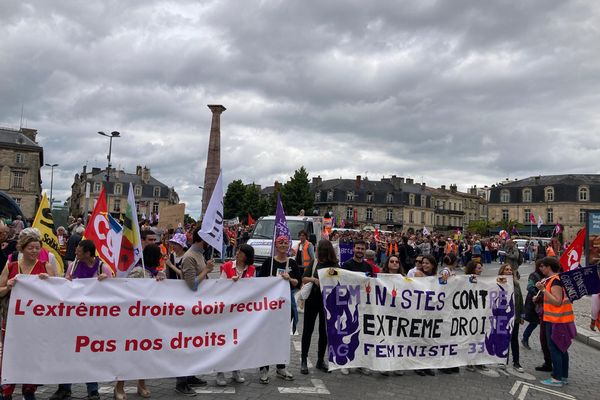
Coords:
pixel 279 264
pixel 45 224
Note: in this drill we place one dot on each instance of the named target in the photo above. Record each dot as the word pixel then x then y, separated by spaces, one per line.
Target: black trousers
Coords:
pixel 514 344
pixel 313 308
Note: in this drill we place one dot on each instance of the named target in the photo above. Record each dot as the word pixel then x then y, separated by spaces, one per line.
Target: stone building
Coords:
pixel 390 203
pixel 150 194
pixel 558 199
pixel 454 209
pixel 21 158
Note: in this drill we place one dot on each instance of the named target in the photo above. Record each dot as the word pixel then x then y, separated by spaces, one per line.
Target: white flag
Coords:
pixel 425 231
pixel 540 222
pixel 212 223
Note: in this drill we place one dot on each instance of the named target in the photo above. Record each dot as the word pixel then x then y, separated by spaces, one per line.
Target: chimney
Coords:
pixel 84 170
pixel 443 187
pixel 29 133
pixel 410 181
pixel 317 181
pixel 138 170
pixel 537 180
pixel 145 174
pixel 423 185
pixel 213 159
pixel 358 179
pixel 396 182
pixel 453 188
pixel 277 185
pixel 95 170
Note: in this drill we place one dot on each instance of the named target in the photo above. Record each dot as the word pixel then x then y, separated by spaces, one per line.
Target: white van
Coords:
pixel 261 238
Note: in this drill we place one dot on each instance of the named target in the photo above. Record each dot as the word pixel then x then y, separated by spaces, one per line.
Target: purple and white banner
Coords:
pixel 396 323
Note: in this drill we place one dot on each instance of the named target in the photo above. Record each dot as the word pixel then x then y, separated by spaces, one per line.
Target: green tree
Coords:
pixel 251 202
pixel 187 219
pixel 266 206
pixel 296 194
pixel 480 227
pixel 234 200
pixel 508 225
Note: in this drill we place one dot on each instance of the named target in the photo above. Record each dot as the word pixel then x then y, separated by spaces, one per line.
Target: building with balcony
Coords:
pixel 557 199
pixel 150 194
pixel 21 158
pixel 390 203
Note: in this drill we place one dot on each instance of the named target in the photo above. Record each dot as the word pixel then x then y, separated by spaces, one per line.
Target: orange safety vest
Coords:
pixel 451 248
pixel 392 249
pixel 305 256
pixel 558 314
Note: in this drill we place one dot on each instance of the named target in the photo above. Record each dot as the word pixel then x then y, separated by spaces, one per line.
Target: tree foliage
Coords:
pixel 480 227
pixel 234 200
pixel 296 194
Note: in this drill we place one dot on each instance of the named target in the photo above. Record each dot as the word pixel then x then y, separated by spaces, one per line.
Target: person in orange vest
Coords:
pixel 305 252
pixel 558 314
pixel 550 251
pixel 451 247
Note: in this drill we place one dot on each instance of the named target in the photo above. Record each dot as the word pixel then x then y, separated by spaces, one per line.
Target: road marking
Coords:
pixel 317 388
pixel 298 348
pixel 522 375
pixel 216 390
pixel 525 386
pixel 212 390
pixel 110 389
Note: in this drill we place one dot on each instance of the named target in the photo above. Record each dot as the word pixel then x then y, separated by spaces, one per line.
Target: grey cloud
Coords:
pixel 458 91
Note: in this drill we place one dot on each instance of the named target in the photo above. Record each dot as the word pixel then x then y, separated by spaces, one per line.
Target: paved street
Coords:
pixel 496 384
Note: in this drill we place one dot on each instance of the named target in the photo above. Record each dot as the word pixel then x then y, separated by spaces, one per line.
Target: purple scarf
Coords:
pixel 563 335
pixel 82 270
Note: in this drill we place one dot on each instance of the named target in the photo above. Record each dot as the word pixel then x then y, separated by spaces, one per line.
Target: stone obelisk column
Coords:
pixel 213 160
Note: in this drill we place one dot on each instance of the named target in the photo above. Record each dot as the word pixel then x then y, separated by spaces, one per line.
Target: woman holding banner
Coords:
pixel 29 246
pixel 241 267
pixel 507 270
pixel 474 268
pixel 148 268
pixel 85 266
pixel 280 265
pixel 393 266
pixel 428 268
pixel 313 306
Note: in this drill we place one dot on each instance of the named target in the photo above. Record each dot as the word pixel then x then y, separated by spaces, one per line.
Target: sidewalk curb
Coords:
pixel 588 337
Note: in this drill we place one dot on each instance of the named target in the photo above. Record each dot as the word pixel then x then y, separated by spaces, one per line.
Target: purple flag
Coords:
pixel 581 282
pixel 280 228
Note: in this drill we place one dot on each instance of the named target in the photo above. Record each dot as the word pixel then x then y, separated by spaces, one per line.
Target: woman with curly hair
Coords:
pixel 29 245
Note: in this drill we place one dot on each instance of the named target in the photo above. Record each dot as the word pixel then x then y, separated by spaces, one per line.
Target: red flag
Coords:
pixel 376 234
pixel 571 258
pixel 250 220
pixel 97 231
pixel 532 218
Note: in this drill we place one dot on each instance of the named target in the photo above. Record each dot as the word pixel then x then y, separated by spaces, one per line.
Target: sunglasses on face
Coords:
pixel 419 261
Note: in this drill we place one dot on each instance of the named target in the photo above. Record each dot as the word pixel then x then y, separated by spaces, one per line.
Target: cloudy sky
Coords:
pixel 457 91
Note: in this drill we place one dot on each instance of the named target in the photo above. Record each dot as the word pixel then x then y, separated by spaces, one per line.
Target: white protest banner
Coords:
pixel 396 323
pixel 122 329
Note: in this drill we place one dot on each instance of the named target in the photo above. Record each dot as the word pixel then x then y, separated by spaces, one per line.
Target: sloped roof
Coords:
pixel 551 180
pixel 12 137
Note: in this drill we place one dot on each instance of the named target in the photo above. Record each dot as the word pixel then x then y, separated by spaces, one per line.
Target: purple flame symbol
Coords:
pixel 498 340
pixel 342 333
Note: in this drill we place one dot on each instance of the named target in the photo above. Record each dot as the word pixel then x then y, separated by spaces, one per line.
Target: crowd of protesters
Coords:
pixel 182 254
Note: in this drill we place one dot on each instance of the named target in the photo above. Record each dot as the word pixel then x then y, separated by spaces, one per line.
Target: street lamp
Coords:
pixel 51 181
pixel 112 135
